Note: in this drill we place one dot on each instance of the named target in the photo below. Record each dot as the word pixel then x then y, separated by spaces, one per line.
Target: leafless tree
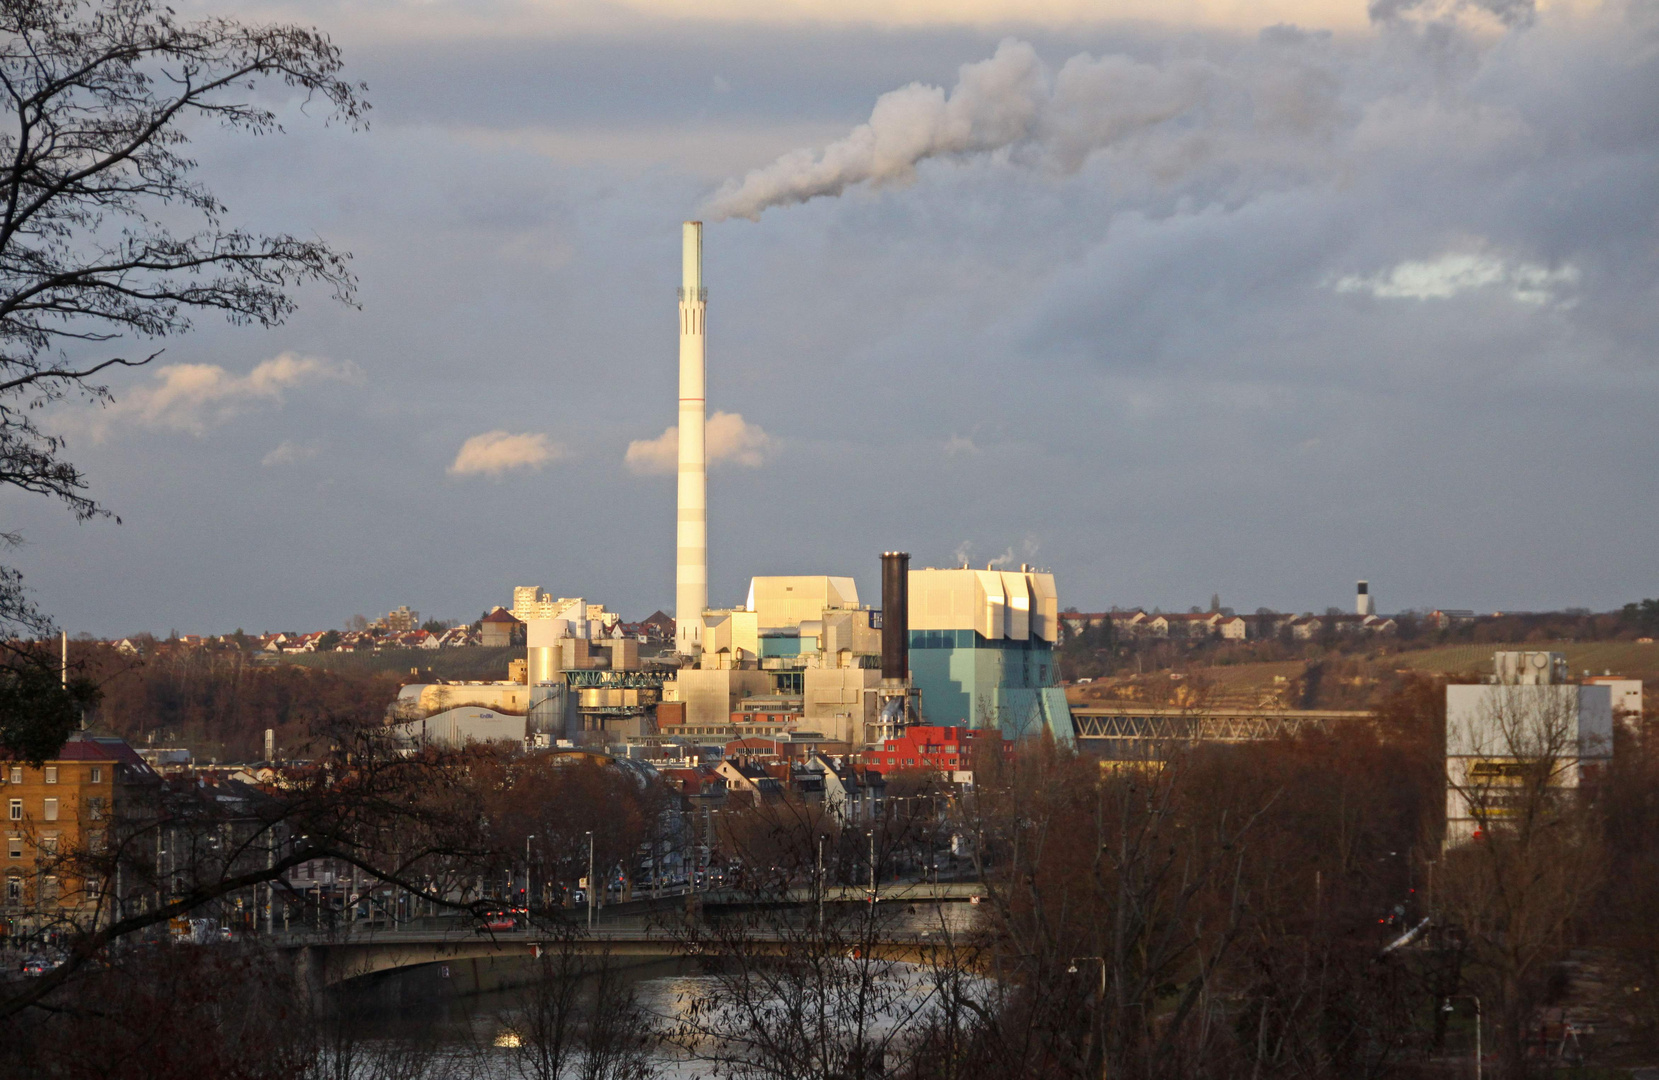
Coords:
pixel 810 979
pixel 411 823
pixel 1516 886
pixel 578 1016
pixel 107 235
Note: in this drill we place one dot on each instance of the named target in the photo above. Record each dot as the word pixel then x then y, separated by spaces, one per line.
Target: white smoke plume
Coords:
pixel 1008 103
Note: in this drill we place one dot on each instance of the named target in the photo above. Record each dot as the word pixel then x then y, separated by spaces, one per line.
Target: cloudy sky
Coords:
pixel 1172 298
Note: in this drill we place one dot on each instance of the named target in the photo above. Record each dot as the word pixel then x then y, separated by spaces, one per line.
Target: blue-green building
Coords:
pixel 982 651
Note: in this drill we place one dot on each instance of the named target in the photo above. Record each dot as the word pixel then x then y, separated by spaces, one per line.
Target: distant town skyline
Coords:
pixel 1168 307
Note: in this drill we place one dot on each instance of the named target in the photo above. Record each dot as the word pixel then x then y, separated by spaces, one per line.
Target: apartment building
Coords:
pixel 58 817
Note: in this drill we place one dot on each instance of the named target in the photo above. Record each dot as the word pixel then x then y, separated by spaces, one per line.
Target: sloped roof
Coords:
pixel 84 747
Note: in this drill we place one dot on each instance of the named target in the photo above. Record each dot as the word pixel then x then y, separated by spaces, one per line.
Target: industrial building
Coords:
pixel 804 643
pixel 456 728
pixel 982 650
pixel 580 678
pixel 1530 728
pixel 802 656
pixel 970 648
pixel 1627 700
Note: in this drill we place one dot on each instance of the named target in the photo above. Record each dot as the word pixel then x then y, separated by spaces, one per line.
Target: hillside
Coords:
pixel 1350 681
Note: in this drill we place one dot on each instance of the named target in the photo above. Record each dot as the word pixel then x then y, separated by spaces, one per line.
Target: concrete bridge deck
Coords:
pixel 915 919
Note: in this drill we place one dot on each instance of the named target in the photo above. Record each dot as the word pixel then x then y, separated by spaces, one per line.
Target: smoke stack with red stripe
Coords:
pixel 691 559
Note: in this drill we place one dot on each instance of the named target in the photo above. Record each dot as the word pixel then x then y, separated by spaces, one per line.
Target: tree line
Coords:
pixel 1274 909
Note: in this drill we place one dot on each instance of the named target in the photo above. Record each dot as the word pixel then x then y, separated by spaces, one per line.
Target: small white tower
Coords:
pixel 1362 600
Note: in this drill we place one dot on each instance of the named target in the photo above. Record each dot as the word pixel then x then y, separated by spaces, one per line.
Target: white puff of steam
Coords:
pixel 996 103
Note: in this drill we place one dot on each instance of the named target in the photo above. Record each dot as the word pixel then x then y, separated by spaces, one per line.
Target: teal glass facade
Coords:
pixel 978 682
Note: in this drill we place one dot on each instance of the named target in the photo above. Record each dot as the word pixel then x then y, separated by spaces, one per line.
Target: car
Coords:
pixel 39 965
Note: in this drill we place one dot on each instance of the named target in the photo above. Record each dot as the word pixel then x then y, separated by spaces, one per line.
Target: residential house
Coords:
pixel 851 794
pixel 747 780
pixel 500 629
pixel 58 819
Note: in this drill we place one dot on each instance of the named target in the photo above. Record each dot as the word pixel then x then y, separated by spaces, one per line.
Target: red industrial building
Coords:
pixel 942 749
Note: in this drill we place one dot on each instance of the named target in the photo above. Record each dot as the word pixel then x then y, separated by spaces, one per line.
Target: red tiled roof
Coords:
pixel 84 747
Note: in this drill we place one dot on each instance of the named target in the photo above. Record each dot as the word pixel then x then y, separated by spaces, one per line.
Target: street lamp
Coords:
pixel 527 840
pixel 1447 1007
pixel 590 880
pixel 1100 1002
pixel 820 883
pixel 873 895
pixel 1101 960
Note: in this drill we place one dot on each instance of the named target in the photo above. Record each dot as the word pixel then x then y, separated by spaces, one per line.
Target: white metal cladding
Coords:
pixel 1017 605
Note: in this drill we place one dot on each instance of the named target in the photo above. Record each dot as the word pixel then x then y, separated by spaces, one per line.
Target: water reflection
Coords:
pixel 477 1036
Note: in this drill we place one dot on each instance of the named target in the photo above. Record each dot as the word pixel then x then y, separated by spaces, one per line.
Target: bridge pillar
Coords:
pixel 311 973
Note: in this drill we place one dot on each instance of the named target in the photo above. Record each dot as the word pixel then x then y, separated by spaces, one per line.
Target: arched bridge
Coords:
pixel 916 918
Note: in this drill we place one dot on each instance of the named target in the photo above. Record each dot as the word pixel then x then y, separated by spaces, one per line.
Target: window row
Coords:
pixel 94 775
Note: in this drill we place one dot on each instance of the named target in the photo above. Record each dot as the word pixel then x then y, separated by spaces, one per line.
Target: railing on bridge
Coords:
pixel 913 922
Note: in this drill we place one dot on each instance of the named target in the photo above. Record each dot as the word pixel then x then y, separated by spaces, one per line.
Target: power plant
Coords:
pixel 801 660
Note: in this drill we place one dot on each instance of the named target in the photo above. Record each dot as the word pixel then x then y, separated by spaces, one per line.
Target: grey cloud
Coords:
pixel 1147 353
pixel 1508 12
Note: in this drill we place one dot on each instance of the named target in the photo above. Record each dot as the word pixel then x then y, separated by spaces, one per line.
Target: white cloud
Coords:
pixel 195 397
pixel 496 452
pixel 1451 274
pixel 959 446
pixel 290 453
pixel 727 437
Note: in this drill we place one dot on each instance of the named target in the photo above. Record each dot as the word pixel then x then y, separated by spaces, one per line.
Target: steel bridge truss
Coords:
pixel 1193 727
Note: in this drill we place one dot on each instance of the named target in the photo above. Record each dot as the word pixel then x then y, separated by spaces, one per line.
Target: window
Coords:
pixel 49 843
pixel 17 774
pixel 14 890
pixel 95 809
pixel 94 888
pixel 17 810
pixel 14 847
pixel 51 774
pixel 50 810
pixel 97 774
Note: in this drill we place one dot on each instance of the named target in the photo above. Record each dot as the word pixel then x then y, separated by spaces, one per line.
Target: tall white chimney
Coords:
pixel 691 561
